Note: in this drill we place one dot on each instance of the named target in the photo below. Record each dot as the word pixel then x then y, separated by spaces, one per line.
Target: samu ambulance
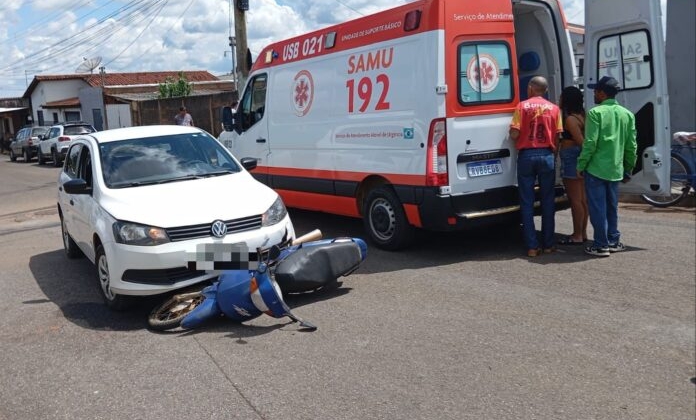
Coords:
pixel 401 118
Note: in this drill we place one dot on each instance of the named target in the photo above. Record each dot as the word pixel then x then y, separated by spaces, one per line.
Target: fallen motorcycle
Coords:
pixel 306 264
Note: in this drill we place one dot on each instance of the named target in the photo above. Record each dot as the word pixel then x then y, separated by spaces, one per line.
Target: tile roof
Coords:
pixel 63 103
pixel 124 79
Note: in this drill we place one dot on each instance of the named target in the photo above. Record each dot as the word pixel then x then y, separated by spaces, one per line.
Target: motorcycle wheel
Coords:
pixel 168 315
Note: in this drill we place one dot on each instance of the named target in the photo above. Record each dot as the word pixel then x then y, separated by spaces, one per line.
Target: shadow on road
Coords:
pixel 73 286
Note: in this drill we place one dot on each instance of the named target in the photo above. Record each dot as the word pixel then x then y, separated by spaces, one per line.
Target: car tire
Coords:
pixel 40 158
pixel 385 220
pixel 56 158
pixel 26 155
pixel 114 301
pixel 13 157
pixel 69 246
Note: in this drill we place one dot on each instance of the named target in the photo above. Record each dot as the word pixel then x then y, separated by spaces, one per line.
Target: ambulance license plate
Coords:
pixel 487 167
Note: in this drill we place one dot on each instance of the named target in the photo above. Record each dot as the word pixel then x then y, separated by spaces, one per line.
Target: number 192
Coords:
pixel 364 93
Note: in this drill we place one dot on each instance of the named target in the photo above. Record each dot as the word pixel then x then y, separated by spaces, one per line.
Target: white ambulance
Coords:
pixel 401 118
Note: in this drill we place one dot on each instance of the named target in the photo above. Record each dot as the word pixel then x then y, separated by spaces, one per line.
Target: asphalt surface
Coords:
pixel 460 326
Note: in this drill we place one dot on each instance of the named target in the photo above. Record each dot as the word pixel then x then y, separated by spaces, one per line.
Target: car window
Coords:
pixel 72 160
pixel 74 130
pixel 142 161
pixel 55 132
pixel 84 169
pixel 38 131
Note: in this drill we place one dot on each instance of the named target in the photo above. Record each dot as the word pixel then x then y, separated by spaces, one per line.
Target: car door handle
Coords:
pixel 72 203
pixel 260 140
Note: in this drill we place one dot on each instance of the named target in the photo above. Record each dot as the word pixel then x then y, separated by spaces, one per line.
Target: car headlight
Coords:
pixel 275 214
pixel 136 234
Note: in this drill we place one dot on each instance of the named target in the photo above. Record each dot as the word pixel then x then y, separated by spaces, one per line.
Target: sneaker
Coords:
pixel 550 250
pixel 534 252
pixel 597 252
pixel 617 247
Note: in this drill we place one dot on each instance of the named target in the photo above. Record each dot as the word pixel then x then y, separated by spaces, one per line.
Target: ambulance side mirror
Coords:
pixel 227 118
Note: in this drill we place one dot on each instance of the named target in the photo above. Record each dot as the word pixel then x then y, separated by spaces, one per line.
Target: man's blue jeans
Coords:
pixel 603 204
pixel 533 164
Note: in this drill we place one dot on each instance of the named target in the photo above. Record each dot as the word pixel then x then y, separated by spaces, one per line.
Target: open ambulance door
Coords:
pixel 624 40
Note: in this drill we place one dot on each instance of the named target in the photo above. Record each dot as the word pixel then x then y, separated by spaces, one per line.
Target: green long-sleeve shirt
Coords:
pixel 609 148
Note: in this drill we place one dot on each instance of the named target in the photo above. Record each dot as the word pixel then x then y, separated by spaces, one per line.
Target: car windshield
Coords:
pixel 156 160
pixel 39 131
pixel 73 130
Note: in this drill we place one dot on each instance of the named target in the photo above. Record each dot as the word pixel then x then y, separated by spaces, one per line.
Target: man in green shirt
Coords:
pixel 608 156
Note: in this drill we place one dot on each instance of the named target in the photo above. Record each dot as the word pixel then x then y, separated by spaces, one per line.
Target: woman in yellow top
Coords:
pixel 571 104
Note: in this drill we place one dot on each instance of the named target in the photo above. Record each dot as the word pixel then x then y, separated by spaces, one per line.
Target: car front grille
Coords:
pixel 184 233
pixel 167 276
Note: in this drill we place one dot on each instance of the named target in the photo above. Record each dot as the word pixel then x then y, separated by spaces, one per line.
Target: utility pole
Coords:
pixel 240 32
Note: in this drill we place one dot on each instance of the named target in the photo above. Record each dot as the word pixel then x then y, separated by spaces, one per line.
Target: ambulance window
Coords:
pixel 632 66
pixel 484 73
pixel 253 103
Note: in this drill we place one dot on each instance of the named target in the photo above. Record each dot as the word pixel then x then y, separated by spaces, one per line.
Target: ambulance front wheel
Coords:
pixel 385 220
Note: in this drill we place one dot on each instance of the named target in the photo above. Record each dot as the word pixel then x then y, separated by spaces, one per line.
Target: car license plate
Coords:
pixel 486 167
pixel 210 257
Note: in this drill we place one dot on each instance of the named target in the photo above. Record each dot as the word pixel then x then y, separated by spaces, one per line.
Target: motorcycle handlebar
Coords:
pixel 307 237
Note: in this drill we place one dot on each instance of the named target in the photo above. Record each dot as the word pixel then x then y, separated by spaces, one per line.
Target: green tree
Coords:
pixel 174 89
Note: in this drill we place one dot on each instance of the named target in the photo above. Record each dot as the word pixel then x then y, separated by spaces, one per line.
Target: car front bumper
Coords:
pixel 149 270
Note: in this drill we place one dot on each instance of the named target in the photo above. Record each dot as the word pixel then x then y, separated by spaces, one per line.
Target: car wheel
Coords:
pixel 56 158
pixel 40 158
pixel 114 301
pixel 69 245
pixel 13 157
pixel 27 156
pixel 385 220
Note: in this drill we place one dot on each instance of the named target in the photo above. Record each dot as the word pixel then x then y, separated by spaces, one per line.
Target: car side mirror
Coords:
pixel 77 186
pixel 249 163
pixel 227 119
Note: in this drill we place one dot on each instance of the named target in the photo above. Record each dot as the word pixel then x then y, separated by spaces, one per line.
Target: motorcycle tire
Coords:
pixel 169 314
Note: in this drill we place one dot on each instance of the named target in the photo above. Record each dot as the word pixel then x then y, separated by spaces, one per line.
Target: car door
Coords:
pixel 252 127
pixel 73 205
pixel 85 205
pixel 624 40
pixel 18 142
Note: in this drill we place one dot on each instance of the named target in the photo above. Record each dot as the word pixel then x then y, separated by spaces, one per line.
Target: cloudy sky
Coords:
pixel 54 36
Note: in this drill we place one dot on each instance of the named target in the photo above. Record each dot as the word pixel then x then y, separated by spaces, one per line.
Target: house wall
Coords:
pixel 91 103
pixel 54 90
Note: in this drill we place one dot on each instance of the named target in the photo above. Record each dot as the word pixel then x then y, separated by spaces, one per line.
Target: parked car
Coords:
pixel 26 142
pixel 158 208
pixel 58 139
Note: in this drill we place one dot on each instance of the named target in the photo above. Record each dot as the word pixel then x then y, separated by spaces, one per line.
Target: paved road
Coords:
pixel 461 326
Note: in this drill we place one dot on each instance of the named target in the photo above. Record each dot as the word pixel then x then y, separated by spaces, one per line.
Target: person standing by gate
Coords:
pixel 183 117
pixel 608 156
pixel 535 128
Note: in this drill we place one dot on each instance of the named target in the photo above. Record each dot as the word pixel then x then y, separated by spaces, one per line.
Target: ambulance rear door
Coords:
pixel 624 40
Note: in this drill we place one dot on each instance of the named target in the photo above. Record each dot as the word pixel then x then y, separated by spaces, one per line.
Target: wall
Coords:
pixel 53 90
pixel 204 109
pixel 90 99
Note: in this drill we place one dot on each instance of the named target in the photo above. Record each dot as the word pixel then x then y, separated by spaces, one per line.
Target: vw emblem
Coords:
pixel 218 229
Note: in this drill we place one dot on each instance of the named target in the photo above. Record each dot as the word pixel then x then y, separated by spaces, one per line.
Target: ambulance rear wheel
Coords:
pixel 385 220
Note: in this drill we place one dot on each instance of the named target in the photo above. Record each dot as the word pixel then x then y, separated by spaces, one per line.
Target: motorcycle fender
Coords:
pixel 208 309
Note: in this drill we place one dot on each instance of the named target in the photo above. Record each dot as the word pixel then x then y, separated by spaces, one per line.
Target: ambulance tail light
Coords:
pixel 436 171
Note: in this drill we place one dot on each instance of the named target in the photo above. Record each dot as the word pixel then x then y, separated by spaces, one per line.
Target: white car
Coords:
pixel 54 145
pixel 158 208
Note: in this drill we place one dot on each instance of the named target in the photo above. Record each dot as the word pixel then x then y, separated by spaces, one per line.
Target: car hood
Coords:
pixel 190 202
